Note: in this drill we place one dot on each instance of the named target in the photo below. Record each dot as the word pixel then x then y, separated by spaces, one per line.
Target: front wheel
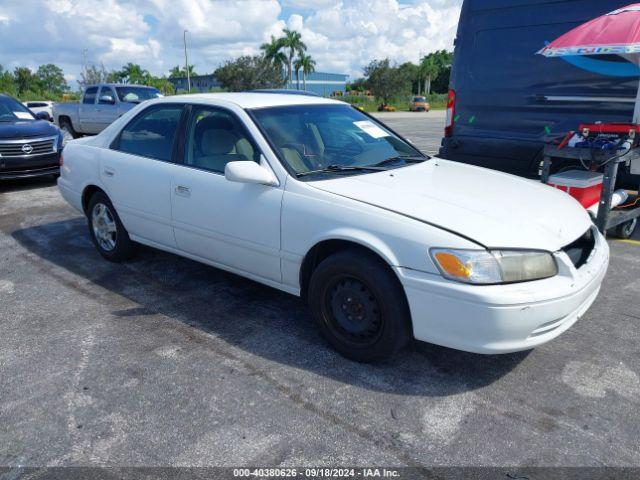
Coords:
pixel 359 306
pixel 107 232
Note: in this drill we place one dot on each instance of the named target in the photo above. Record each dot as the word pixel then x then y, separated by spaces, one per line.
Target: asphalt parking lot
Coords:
pixel 163 361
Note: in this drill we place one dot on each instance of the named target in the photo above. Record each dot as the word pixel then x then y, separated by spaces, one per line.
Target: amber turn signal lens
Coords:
pixel 452 265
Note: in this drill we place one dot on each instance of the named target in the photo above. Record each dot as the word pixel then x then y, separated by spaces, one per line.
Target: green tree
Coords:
pixel 431 66
pixel 135 74
pixel 412 73
pixel 163 84
pixel 25 80
pixel 358 85
pixel 385 81
pixel 292 41
pixel 177 72
pixel 249 73
pixel 307 65
pixel 51 79
pixel 272 51
pixel 7 83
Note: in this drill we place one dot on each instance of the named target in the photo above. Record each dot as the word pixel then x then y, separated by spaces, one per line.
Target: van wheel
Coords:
pixel 566 166
pixel 625 230
pixel 68 132
pixel 106 230
pixel 359 306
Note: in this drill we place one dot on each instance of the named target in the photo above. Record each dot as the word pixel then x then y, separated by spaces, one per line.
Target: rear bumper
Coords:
pixel 503 318
pixel 70 195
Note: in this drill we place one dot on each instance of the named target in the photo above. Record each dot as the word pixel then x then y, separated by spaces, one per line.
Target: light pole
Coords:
pixel 186 61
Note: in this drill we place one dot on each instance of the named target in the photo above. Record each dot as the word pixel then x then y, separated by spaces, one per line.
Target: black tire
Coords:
pixel 123 247
pixel 625 230
pixel 565 166
pixel 65 126
pixel 377 323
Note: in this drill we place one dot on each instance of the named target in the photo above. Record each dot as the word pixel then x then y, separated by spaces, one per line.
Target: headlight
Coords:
pixel 485 267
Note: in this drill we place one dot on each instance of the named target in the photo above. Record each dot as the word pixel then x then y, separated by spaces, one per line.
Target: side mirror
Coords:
pixel 43 116
pixel 107 99
pixel 249 172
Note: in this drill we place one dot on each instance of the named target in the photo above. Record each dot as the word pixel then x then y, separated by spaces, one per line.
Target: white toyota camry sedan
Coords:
pixel 313 197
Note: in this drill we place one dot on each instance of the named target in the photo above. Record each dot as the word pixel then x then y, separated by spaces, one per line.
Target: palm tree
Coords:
pixel 273 52
pixel 134 73
pixel 307 65
pixel 178 71
pixel 429 68
pixel 293 41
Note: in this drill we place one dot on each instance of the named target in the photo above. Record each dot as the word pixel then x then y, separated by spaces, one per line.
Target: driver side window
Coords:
pixel 216 137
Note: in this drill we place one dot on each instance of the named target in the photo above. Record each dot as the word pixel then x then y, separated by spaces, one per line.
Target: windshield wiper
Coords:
pixel 343 168
pixel 403 158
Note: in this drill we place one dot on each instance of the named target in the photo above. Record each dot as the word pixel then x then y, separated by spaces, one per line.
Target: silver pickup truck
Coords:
pixel 99 106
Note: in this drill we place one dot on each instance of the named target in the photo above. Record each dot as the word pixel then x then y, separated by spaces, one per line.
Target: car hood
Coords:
pixel 26 129
pixel 491 208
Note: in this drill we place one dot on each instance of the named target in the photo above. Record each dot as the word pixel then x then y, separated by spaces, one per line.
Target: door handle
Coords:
pixel 183 191
pixel 108 172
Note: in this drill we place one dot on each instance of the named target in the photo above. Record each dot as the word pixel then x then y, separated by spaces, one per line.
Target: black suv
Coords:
pixel 30 145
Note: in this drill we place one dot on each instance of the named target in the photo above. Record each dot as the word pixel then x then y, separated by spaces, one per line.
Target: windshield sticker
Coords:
pixel 23 115
pixel 371 129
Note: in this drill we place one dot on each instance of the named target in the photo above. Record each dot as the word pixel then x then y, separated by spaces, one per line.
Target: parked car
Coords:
pixel 29 144
pixel 41 106
pixel 419 104
pixel 505 100
pixel 313 197
pixel 99 106
pixel 386 108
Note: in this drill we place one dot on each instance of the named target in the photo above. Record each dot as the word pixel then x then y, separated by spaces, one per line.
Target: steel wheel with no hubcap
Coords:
pixel 352 312
pixel 104 227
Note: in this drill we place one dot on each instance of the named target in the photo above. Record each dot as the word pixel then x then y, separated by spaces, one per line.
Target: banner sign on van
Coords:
pixel 591 50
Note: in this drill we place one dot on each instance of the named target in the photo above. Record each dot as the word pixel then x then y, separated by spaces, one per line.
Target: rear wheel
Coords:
pixel 68 132
pixel 625 230
pixel 106 230
pixel 359 306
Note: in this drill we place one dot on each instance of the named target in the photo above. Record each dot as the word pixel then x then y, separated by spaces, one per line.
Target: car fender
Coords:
pixel 361 237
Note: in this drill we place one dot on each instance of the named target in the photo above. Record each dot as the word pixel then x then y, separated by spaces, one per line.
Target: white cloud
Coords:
pixel 342 36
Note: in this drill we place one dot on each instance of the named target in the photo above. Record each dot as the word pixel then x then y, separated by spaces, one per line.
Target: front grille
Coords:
pixel 579 250
pixel 27 147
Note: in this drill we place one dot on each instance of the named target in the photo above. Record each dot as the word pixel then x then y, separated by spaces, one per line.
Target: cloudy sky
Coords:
pixel 341 35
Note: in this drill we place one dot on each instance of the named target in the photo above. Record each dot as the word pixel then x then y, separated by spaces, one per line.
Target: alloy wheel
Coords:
pixel 104 227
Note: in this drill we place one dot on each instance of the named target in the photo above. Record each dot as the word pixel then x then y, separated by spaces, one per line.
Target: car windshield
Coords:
pixel 137 94
pixel 331 139
pixel 11 110
pixel 419 99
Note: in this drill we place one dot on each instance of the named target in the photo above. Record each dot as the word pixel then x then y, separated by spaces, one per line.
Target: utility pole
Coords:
pixel 186 61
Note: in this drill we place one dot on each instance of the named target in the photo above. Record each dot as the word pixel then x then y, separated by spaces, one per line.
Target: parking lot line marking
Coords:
pixel 630 242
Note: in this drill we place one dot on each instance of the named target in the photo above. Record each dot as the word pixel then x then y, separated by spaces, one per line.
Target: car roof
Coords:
pixel 254 99
pixel 119 85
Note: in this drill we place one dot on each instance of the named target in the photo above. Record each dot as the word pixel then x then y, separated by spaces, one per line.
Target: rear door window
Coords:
pixel 90 95
pixel 152 133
